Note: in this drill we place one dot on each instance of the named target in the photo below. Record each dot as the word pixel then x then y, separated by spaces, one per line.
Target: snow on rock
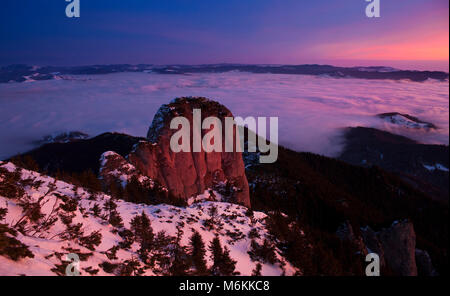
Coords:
pixel 64 137
pixel 113 167
pixel 406 120
pixel 437 166
pixel 63 209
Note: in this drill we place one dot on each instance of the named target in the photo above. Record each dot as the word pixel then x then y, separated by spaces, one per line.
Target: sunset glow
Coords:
pixel 408 33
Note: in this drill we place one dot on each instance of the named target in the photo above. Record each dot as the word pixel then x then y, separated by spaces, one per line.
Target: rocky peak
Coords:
pixel 186 174
pixel 183 107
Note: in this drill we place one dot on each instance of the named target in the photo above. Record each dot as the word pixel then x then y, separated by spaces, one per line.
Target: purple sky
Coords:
pixel 409 34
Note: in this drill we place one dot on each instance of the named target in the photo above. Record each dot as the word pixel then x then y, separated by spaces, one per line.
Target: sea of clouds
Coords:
pixel 312 110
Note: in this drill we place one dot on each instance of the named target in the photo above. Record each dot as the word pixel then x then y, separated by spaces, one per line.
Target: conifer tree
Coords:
pixel 228 265
pixel 143 234
pixel 216 255
pixel 223 264
pixel 10 186
pixel 180 265
pixel 113 216
pixel 92 240
pixel 264 253
pixel 96 211
pixel 3 212
pixel 198 253
pixel 142 229
pixel 115 219
pixel 109 206
pixel 10 246
pixel 131 267
pixel 257 270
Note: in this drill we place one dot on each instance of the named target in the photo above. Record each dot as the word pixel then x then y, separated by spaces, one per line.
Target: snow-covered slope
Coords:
pixel 54 218
pixel 406 120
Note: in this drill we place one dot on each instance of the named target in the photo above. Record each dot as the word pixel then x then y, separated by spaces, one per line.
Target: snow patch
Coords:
pixel 435 167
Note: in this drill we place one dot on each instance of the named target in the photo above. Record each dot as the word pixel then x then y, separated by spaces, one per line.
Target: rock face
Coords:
pixel 190 173
pixel 399 245
pixel 424 264
pixel 396 246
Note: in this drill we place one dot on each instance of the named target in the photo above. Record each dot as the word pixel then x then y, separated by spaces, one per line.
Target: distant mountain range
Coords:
pixel 22 73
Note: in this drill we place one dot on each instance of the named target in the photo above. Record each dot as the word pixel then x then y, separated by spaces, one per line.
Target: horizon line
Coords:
pixel 230 64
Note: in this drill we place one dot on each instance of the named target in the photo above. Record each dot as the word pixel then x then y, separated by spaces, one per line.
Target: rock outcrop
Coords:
pixel 396 246
pixel 424 265
pixel 115 169
pixel 187 174
pixel 399 245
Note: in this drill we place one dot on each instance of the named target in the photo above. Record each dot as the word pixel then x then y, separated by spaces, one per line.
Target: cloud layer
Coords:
pixel 312 110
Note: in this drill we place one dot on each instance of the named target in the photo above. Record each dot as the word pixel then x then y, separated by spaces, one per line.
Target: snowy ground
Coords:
pixel 311 109
pixel 45 244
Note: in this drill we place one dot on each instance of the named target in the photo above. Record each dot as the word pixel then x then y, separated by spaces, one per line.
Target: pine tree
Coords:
pixel 198 253
pixel 216 255
pixel 142 229
pixel 11 247
pixel 92 240
pixel 257 270
pixel 212 211
pixel 264 253
pixel 70 205
pixel 127 238
pixel 131 267
pixel 143 234
pixel 96 211
pixel 228 265
pixel 223 264
pixel 180 265
pixel 109 206
pixel 115 219
pixel 161 252
pixel 113 216
pixel 268 252
pixel 3 212
pixel 10 186
pixel 111 253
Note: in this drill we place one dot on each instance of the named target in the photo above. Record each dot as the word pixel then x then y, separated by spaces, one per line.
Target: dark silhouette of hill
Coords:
pixel 414 162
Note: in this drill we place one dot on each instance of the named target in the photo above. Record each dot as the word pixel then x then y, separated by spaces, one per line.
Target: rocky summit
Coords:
pixel 187 174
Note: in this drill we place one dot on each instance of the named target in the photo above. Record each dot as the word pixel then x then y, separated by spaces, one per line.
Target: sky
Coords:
pixel 411 34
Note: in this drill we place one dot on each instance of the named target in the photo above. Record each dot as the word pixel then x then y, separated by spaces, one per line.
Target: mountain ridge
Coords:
pixel 25 73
